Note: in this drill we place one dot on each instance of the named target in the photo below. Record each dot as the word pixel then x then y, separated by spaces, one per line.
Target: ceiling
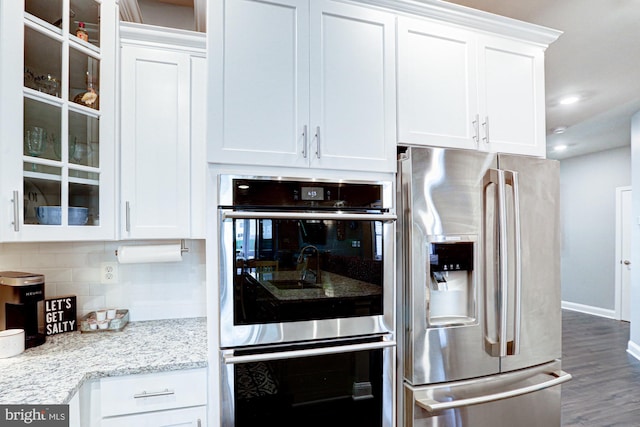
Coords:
pixel 595 58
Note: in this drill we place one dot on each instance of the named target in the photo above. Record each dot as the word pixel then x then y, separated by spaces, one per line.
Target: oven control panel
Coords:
pixel 278 193
pixel 312 193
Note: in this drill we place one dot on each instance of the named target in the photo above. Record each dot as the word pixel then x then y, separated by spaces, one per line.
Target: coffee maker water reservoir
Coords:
pixel 22 305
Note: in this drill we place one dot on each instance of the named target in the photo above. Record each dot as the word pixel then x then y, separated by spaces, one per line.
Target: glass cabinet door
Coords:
pixel 61 129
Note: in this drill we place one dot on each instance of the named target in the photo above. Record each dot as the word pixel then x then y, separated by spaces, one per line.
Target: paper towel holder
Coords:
pixel 183 247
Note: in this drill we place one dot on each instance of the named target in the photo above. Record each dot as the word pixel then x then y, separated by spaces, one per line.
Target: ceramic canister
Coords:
pixel 11 342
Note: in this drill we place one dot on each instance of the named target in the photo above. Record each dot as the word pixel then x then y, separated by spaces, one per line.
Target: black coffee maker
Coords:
pixel 22 305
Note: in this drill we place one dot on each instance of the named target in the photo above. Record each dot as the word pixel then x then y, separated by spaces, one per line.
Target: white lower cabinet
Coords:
pixel 189 417
pixel 176 398
pixel 75 411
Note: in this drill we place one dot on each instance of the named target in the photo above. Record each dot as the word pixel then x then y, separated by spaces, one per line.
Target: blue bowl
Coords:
pixel 52 215
pixel 78 216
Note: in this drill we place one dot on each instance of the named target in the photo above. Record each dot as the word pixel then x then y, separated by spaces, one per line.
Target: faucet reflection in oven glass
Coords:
pixel 308 274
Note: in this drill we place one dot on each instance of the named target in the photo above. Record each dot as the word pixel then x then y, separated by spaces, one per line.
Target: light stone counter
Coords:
pixel 53 372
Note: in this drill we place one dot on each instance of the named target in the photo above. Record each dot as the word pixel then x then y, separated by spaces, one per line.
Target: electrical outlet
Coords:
pixel 109 273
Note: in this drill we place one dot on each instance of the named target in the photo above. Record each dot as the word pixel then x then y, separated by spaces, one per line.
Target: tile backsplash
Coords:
pixel 150 291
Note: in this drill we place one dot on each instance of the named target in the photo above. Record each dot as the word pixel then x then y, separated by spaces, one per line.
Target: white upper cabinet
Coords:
pixel 303 84
pixel 352 88
pixel 512 102
pixel 155 143
pixel 261 73
pixel 57 120
pixel 437 85
pixel 464 89
pixel 162 139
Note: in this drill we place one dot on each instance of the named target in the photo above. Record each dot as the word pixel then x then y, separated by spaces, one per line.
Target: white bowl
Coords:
pixel 11 342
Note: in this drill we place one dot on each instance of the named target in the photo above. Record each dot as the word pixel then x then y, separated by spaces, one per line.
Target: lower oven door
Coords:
pixel 340 383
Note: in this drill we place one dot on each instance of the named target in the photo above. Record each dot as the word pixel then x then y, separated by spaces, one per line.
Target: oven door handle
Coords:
pixel 229 358
pixel 228 214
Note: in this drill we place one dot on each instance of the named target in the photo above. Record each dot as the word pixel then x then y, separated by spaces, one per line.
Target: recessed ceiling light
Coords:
pixel 560 147
pixel 559 130
pixel 567 100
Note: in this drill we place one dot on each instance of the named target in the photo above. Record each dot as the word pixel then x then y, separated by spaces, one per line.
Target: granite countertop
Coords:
pixel 53 372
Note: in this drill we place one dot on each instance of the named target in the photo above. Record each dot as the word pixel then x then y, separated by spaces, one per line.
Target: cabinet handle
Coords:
pixel 304 142
pixel 476 129
pixel 486 130
pixel 145 394
pixel 16 211
pixel 127 215
pixel 199 422
pixel 318 141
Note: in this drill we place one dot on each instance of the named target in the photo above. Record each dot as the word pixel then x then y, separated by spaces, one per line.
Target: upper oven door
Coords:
pixel 293 277
pixel 298 276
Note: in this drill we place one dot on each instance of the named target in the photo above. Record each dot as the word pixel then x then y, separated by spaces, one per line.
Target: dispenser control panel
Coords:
pixel 451 256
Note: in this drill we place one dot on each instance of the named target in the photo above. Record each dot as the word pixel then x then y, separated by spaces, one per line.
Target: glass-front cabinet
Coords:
pixel 57 114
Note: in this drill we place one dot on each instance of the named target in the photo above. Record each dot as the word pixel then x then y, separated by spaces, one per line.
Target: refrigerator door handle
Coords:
pixel 497 346
pixel 435 406
pixel 511 179
pixel 503 274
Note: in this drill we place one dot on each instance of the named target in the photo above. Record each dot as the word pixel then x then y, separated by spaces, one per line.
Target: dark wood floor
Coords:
pixel 605 389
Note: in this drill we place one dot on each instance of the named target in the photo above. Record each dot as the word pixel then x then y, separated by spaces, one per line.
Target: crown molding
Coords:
pixel 154 36
pixel 470 18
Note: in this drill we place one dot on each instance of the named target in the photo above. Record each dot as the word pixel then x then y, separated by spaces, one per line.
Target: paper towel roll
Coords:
pixel 149 253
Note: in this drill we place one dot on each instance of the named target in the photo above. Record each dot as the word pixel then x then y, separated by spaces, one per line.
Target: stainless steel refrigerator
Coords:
pixel 479 289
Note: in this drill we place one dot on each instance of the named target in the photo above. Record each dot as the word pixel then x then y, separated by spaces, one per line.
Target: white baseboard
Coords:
pixel 633 349
pixel 588 309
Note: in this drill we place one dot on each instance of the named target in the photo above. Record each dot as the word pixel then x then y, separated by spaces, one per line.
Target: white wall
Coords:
pixel 587 199
pixel 149 291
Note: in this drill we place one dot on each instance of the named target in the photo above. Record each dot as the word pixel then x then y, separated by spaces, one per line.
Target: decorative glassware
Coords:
pixel 57 147
pixel 35 142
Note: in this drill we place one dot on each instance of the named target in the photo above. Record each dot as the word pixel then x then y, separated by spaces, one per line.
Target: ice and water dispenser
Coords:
pixel 451 282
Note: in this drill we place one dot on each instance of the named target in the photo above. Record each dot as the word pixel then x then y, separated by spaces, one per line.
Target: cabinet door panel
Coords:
pixel 49 81
pixel 264 75
pixel 352 87
pixel 437 91
pixel 513 96
pixel 155 143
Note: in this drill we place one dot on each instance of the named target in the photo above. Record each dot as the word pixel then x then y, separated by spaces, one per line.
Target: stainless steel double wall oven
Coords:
pixel 306 302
